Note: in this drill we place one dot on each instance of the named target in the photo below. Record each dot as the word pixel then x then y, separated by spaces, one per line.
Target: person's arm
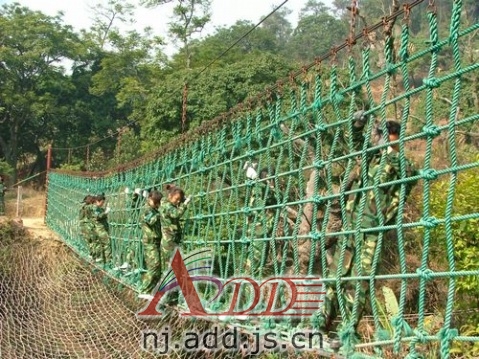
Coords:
pixel 151 217
pixel 99 213
pixel 176 212
pixel 392 172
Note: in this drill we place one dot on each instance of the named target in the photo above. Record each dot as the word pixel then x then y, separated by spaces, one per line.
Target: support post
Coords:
pixel 49 164
pixel 19 201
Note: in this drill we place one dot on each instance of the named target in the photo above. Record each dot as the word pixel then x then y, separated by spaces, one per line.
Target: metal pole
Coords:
pixel 49 158
pixel 19 200
pixel 49 164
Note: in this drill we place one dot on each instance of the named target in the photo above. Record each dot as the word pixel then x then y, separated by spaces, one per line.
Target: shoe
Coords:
pixel 145 296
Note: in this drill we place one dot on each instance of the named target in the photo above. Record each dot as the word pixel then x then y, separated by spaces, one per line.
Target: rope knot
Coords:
pixel 429 174
pixel 238 143
pixel 448 334
pixel 202 194
pixel 347 335
pixel 382 334
pixel 319 164
pixel 321 128
pixel 315 235
pixel 432 130
pixel 317 104
pixel 430 222
pixel 453 38
pixel 199 217
pixel 431 82
pixel 246 210
pixel 250 153
pixel 318 321
pixel 245 240
pixel 425 274
pixel 276 132
pixel 398 323
pixel 421 336
pixel 338 98
pixel 317 199
pixel 390 69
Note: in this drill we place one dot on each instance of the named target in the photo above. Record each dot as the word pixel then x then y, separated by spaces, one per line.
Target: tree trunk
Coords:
pixel 13 158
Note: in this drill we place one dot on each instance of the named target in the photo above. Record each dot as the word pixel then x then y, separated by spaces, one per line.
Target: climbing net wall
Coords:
pixel 269 180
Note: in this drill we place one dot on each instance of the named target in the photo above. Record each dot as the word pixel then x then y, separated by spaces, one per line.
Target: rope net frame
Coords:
pixel 52 305
pixel 300 132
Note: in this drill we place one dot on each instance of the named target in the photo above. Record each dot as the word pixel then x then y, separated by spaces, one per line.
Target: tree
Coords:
pixel 189 18
pixel 317 32
pixel 33 48
pixel 279 29
pixel 261 40
pixel 213 93
pixel 106 16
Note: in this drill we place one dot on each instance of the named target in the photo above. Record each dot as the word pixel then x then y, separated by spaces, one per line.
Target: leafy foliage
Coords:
pixel 465 233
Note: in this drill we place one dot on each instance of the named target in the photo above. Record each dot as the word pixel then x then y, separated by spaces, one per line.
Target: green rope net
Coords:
pixel 284 220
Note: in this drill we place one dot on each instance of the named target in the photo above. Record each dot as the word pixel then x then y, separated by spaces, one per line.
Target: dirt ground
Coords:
pixel 29 210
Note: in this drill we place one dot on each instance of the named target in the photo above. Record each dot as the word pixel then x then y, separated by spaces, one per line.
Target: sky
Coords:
pixel 78 13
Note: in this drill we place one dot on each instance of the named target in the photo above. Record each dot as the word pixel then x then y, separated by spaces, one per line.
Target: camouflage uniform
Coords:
pixel 2 199
pixel 151 241
pixel 102 248
pixel 388 202
pixel 171 236
pixel 86 226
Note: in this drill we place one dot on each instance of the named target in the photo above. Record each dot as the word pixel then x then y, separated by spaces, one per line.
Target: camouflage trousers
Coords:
pixel 87 233
pixel 347 290
pixel 101 248
pixel 167 249
pixel 130 249
pixel 2 205
pixel 152 265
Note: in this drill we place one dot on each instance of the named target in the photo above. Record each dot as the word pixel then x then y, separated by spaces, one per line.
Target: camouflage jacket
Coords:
pixel 86 213
pixel 151 224
pixel 99 217
pixel 384 200
pixel 170 222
